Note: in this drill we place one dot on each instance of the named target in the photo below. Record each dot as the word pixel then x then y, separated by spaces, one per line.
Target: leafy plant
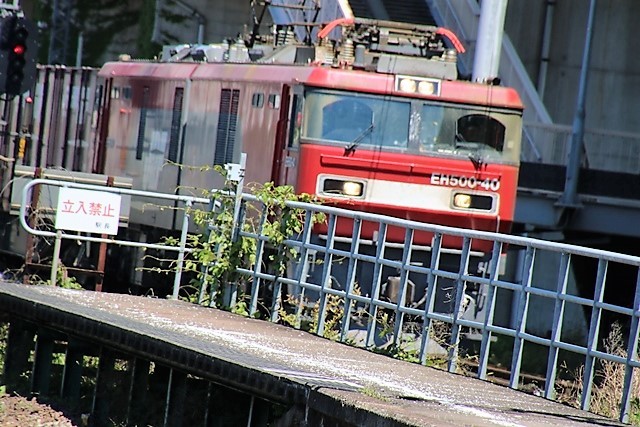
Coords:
pixel 608 383
pixel 4 334
pixel 228 243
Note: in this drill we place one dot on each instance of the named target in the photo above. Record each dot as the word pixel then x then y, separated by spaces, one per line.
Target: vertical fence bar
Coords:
pixel 594 328
pixel 257 268
pixel 230 295
pixel 303 267
pixel 402 291
pixel 432 283
pixel 494 269
pixel 632 349
pixel 276 296
pixel 326 274
pixel 556 329
pixel 523 310
pixel 56 258
pixel 351 274
pixel 183 242
pixel 375 288
pixel 205 276
pixel 460 296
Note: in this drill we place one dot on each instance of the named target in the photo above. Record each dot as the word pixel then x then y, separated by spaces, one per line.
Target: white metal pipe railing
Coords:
pixel 58 235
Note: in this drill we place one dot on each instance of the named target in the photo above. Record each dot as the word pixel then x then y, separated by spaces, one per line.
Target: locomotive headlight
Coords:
pixel 341 187
pixel 482 202
pixel 407 85
pixel 421 85
pixel 352 188
pixel 462 201
pixel 426 88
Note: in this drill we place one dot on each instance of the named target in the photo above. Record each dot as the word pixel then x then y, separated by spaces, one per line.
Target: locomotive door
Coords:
pixel 291 137
pixel 278 167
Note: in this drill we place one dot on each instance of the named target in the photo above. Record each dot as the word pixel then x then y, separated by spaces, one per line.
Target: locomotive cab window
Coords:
pixel 356 119
pixel 477 130
pixel 464 130
pixel 345 120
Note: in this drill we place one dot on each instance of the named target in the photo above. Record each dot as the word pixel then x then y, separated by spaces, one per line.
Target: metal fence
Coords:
pixel 431 288
pixel 422 313
pixel 603 149
pixel 27 211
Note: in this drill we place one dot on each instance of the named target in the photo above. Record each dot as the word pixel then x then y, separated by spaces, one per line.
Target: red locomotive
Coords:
pixel 377 120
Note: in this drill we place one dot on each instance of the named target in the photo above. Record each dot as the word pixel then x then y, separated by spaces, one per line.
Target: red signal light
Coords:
pixel 19 49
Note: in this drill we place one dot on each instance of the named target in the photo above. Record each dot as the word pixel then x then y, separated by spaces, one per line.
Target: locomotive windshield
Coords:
pixel 357 118
pixel 410 125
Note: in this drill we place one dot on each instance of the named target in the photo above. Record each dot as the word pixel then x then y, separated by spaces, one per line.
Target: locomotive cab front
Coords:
pixel 424 157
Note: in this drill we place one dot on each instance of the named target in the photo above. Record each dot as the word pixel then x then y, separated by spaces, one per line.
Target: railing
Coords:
pixel 603 149
pixel 399 293
pixel 27 210
pixel 424 272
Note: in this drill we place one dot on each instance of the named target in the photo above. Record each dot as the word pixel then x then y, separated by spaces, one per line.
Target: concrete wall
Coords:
pixel 614 76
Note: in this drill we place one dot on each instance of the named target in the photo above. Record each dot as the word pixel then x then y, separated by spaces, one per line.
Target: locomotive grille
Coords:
pixel 175 124
pixel 227 124
pixel 143 122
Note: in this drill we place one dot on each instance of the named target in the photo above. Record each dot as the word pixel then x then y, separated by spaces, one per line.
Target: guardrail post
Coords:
pixel 56 258
pixel 35 198
pixel 183 243
pixel 102 252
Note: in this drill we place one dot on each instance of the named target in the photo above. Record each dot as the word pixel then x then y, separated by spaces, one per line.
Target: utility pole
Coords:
pixel 486 60
pixel 59 32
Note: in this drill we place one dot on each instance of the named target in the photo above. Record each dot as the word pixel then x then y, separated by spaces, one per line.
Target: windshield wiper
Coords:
pixel 351 148
pixel 476 158
pixel 477 161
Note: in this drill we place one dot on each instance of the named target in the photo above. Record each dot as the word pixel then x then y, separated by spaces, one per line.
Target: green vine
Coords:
pixel 218 252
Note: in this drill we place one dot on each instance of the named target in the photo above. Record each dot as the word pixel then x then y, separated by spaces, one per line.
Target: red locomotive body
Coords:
pixel 449 157
pixel 376 121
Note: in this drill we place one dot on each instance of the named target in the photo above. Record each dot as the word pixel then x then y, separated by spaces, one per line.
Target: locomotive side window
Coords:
pixel 295 121
pixel 274 101
pixel 227 126
pixel 257 100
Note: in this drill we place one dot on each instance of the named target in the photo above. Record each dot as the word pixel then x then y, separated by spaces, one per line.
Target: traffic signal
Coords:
pixel 18 55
